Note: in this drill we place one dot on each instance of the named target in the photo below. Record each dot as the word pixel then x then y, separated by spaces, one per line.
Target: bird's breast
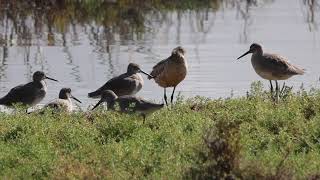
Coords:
pixel 137 83
pixel 173 73
pixel 43 85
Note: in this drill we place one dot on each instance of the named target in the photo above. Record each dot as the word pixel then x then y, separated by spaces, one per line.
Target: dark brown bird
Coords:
pixel 28 94
pixel 128 104
pixel 171 71
pixel 128 83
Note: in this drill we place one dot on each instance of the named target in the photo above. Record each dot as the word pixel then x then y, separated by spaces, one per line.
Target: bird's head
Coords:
pixel 106 96
pixel 178 51
pixel 39 76
pixel 254 48
pixel 135 68
pixel 65 93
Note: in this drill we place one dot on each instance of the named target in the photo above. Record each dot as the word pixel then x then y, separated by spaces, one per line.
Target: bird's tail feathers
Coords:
pixel 297 70
pixel 95 94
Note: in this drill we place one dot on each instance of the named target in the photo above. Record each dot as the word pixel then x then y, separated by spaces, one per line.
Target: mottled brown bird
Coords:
pixel 271 66
pixel 128 83
pixel 128 104
pixel 171 71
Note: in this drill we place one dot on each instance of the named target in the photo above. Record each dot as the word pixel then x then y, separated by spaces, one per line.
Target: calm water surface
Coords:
pixel 83 48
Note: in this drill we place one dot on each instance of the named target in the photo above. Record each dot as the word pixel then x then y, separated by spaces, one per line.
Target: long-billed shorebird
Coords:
pixel 28 94
pixel 128 83
pixel 171 71
pixel 271 66
pixel 63 103
pixel 128 104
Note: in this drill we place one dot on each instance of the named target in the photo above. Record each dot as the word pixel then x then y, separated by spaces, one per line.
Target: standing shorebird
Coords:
pixel 171 71
pixel 271 66
pixel 28 94
pixel 128 83
pixel 128 104
pixel 63 103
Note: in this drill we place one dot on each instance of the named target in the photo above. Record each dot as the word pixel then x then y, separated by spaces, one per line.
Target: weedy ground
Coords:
pixel 249 137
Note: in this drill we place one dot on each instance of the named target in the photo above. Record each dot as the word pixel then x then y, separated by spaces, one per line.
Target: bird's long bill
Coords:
pixel 97 105
pixel 51 79
pixel 76 99
pixel 146 73
pixel 244 54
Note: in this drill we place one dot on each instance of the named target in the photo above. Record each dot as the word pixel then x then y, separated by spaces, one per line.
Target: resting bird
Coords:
pixel 171 71
pixel 128 83
pixel 128 104
pixel 28 94
pixel 271 66
pixel 63 103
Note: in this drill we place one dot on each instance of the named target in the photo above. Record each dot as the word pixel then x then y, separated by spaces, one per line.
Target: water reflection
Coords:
pixel 310 8
pixel 244 13
pixel 47 22
pixel 84 43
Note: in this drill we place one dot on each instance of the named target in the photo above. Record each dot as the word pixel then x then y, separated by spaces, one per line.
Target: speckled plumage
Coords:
pixel 171 71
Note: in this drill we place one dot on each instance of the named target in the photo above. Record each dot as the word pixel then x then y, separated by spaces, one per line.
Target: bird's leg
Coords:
pixel 174 88
pixel 271 88
pixel 272 93
pixel 144 117
pixel 282 89
pixel 165 96
pixel 277 90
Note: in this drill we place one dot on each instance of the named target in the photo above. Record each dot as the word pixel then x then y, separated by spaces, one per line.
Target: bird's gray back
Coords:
pixel 124 84
pixel 273 66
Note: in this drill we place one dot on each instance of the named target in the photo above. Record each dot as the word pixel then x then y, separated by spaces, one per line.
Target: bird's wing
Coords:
pixel 276 63
pixel 53 104
pixel 281 64
pixel 127 103
pixel 58 104
pixel 145 105
pixel 158 68
pixel 120 85
pixel 14 95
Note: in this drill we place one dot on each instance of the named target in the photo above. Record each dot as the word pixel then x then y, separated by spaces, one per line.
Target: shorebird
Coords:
pixel 171 71
pixel 128 104
pixel 28 94
pixel 128 83
pixel 271 66
pixel 63 103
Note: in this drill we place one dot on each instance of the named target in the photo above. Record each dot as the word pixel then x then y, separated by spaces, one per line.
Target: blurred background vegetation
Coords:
pixel 45 18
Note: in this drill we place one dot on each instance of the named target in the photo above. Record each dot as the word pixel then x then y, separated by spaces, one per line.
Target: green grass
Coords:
pixel 248 138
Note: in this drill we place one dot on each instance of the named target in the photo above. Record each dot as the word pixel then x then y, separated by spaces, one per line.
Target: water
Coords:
pixel 84 45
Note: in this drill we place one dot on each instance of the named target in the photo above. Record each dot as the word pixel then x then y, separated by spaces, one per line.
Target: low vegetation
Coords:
pixel 249 137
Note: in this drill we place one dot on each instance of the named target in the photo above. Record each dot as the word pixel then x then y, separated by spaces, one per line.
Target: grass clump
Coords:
pixel 250 137
pixel 99 144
